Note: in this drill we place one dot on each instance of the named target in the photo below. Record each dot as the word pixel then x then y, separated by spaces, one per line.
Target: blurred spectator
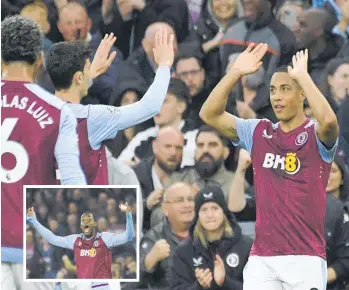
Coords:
pixel 344 51
pixel 216 16
pixel 130 89
pixel 73 224
pixel 335 81
pixel 142 59
pixel 338 182
pixel 153 172
pixel 322 45
pixel 194 10
pixel 74 23
pixel 129 20
pixel 210 153
pixel 338 16
pixel 259 25
pixel 289 13
pixel 171 114
pixel 12 7
pixel 38 12
pixel 343 118
pixel 337 239
pixel 160 242
pixel 188 67
pixel 214 232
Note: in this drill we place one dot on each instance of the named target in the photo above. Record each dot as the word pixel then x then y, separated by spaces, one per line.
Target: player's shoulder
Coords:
pixel 79 111
pixel 45 96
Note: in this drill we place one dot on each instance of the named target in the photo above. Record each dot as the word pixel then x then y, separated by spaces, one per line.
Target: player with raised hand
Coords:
pixel 92 250
pixel 37 131
pixel 71 72
pixel 291 162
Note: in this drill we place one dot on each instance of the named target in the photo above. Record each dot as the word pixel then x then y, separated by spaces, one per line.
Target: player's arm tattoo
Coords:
pixel 232 129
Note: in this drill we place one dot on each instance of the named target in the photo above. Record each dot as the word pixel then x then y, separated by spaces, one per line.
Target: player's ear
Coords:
pixel 225 152
pixel 40 60
pixel 303 95
pixel 78 77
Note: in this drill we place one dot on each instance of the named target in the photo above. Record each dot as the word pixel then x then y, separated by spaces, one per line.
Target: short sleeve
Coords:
pixel 326 154
pixel 245 129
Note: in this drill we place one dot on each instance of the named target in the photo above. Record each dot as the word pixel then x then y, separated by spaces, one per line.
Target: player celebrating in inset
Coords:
pixel 291 164
pixel 70 70
pixel 91 249
pixel 37 130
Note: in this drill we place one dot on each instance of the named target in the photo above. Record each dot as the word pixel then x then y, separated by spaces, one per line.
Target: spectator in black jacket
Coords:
pixel 142 59
pixel 343 118
pixel 259 25
pixel 129 19
pixel 322 45
pixel 215 254
pixel 337 239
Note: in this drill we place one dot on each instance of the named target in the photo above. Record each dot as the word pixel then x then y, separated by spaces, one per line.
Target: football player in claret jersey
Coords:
pixel 70 70
pixel 37 130
pixel 291 163
pixel 92 250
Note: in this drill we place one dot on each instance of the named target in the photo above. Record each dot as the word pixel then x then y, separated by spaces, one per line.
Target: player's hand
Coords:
pixel 102 60
pixel 299 66
pixel 163 51
pixel 124 207
pixel 154 198
pixel 244 160
pixel 161 250
pixel 249 61
pixel 219 271
pixel 31 216
pixel 204 277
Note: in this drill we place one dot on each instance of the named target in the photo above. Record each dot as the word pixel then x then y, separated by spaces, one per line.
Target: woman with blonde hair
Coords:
pixel 215 254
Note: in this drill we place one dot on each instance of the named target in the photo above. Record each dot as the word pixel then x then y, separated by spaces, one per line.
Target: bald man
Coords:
pixel 158 244
pixel 142 60
pixel 74 24
pixel 321 44
pixel 154 171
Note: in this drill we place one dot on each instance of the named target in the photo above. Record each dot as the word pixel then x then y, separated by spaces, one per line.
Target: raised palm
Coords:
pixel 299 65
pixel 163 51
pixel 102 60
pixel 249 61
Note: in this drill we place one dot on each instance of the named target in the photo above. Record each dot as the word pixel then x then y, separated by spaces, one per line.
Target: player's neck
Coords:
pixel 68 95
pixel 19 72
pixel 293 123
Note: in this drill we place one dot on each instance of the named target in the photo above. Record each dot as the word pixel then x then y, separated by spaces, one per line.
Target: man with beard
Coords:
pixel 210 153
pixel 154 171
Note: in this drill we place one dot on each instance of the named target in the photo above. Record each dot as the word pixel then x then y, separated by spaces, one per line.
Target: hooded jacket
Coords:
pixel 191 254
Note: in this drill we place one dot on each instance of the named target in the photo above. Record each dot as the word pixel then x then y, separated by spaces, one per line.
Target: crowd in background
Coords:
pixel 175 149
pixel 59 210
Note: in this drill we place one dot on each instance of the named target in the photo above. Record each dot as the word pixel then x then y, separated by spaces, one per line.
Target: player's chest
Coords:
pixel 89 250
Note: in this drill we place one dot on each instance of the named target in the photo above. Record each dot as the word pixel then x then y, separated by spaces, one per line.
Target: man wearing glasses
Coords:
pixel 160 241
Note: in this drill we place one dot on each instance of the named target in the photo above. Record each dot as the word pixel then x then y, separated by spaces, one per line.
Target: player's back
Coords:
pixel 92 156
pixel 30 124
pixel 290 177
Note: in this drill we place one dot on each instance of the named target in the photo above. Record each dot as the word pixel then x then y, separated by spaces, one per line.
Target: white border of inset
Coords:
pixel 138 232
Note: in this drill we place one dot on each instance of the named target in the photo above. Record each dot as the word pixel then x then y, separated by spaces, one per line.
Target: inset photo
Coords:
pixel 81 233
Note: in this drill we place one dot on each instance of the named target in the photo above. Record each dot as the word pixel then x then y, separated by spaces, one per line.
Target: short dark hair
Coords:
pixel 188 50
pixel 179 89
pixel 21 40
pixel 208 129
pixel 88 213
pixel 64 59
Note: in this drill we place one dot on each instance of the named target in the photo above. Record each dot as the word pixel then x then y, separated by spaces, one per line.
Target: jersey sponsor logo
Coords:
pixel 232 260
pixel 197 261
pixel 301 138
pixel 88 253
pixel 289 163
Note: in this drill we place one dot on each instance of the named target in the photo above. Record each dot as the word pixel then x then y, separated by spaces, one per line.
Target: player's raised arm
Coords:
pixel 213 110
pixel 105 121
pixel 66 242
pixel 328 128
pixel 67 150
pixel 113 240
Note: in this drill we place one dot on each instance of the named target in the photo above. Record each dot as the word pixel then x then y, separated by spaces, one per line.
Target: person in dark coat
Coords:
pixel 343 119
pixel 128 20
pixel 215 254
